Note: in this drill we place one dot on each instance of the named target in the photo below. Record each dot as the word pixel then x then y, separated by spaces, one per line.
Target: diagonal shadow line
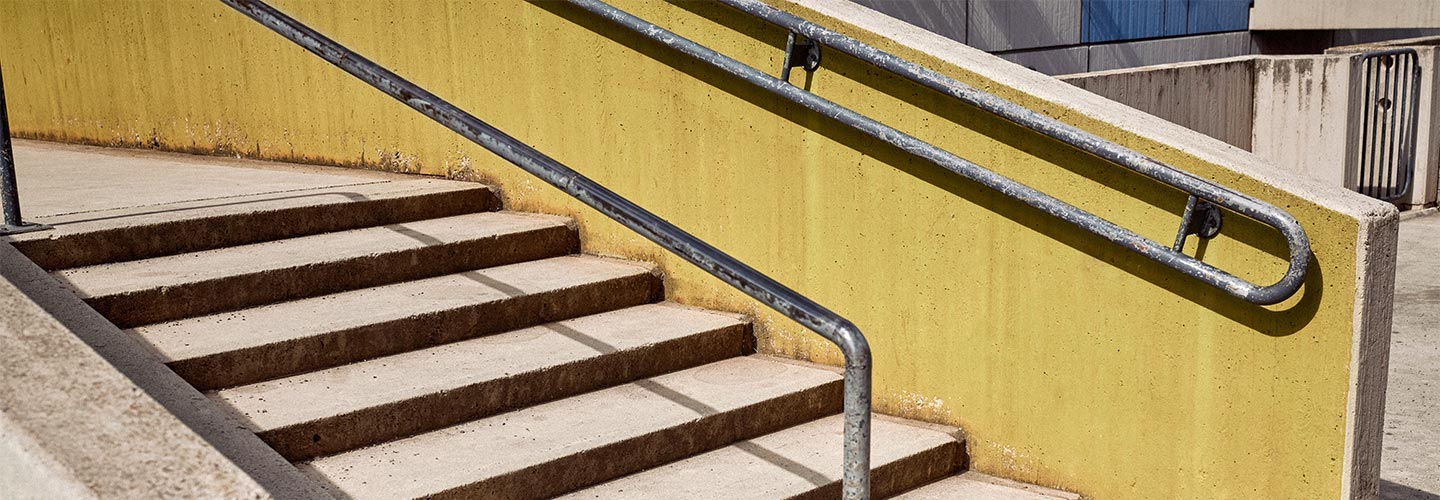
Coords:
pixel 476 275
pixel 693 404
pixel 509 290
pixel 812 476
pixel 598 345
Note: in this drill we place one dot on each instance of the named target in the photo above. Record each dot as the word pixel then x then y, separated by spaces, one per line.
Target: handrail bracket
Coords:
pixel 800 52
pixel 1201 218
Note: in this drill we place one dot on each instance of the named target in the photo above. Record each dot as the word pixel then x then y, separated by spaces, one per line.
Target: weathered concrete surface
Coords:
pixel 251 345
pixel 361 404
pixel 553 448
pixel 186 285
pixel 75 421
pixel 1411 460
pixel 1299 112
pixel 800 462
pixel 1215 98
pixel 1427 140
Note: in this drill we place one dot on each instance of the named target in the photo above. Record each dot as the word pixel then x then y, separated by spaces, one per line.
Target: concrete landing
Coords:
pixel 60 179
pixel 114 205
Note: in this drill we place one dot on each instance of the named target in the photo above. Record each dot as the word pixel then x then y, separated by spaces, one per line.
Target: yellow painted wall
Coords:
pixel 1069 361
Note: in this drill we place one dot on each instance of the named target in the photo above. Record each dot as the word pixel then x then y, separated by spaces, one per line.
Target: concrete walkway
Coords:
pixel 1411 469
pixel 59 180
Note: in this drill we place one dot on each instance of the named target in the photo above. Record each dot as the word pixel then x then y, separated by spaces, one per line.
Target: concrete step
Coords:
pixel 800 462
pixel 278 340
pixel 142 232
pixel 351 406
pixel 977 486
pixel 180 286
pixel 553 448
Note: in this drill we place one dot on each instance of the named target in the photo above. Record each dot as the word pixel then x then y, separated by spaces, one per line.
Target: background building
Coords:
pixel 1076 36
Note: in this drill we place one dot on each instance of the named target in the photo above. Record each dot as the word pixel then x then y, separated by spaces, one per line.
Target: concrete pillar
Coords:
pixel 1427 140
pixel 1303 115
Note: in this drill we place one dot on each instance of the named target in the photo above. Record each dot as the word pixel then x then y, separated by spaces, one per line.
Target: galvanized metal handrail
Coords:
pixel 754 283
pixel 1199 189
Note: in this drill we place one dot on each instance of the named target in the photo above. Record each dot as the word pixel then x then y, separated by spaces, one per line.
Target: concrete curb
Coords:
pixel 1414 214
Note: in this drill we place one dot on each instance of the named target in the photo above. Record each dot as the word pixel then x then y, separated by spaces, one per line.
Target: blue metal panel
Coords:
pixel 1211 16
pixel 1110 20
pixel 1177 17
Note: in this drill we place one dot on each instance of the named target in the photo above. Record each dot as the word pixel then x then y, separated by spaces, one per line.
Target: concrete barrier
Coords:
pixel 1302 113
pixel 1214 97
pixel 1427 143
pixel 1070 362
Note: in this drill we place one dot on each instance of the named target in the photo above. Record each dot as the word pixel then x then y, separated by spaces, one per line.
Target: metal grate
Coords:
pixel 1385 167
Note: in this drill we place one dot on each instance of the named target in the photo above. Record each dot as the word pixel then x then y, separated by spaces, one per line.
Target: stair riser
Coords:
pixel 162 304
pixel 435 411
pixel 268 362
pixel 609 462
pixel 156 240
pixel 901 475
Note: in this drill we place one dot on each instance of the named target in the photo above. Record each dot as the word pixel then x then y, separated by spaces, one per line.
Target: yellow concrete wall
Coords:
pixel 1069 361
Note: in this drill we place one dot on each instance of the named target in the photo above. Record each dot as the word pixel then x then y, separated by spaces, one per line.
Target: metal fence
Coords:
pixel 1390 108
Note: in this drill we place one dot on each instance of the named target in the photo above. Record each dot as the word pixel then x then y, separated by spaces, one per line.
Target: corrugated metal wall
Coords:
pixel 1117 20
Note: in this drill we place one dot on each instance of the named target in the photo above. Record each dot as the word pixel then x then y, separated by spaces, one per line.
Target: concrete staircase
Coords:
pixel 411 340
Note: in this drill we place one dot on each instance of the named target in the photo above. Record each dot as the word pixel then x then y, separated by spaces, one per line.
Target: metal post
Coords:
pixel 9 191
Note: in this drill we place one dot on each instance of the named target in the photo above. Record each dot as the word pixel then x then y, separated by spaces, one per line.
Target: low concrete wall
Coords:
pixel 1302 112
pixel 1427 143
pixel 1305 115
pixel 1069 361
pixel 1215 98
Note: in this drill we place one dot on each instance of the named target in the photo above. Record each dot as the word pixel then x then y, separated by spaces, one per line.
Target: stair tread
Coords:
pixel 139 232
pixel 127 217
pixel 270 324
pixel 344 389
pixel 434 462
pixel 977 486
pixel 176 270
pixel 782 464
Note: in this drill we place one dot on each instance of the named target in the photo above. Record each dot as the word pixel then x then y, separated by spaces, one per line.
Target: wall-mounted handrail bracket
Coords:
pixel 799 54
pixel 1201 218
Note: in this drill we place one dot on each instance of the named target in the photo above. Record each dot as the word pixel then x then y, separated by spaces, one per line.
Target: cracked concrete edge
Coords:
pixel 91 410
pixel 1376 252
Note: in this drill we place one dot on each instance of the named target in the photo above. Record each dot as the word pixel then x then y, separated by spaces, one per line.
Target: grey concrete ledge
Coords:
pixel 75 421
